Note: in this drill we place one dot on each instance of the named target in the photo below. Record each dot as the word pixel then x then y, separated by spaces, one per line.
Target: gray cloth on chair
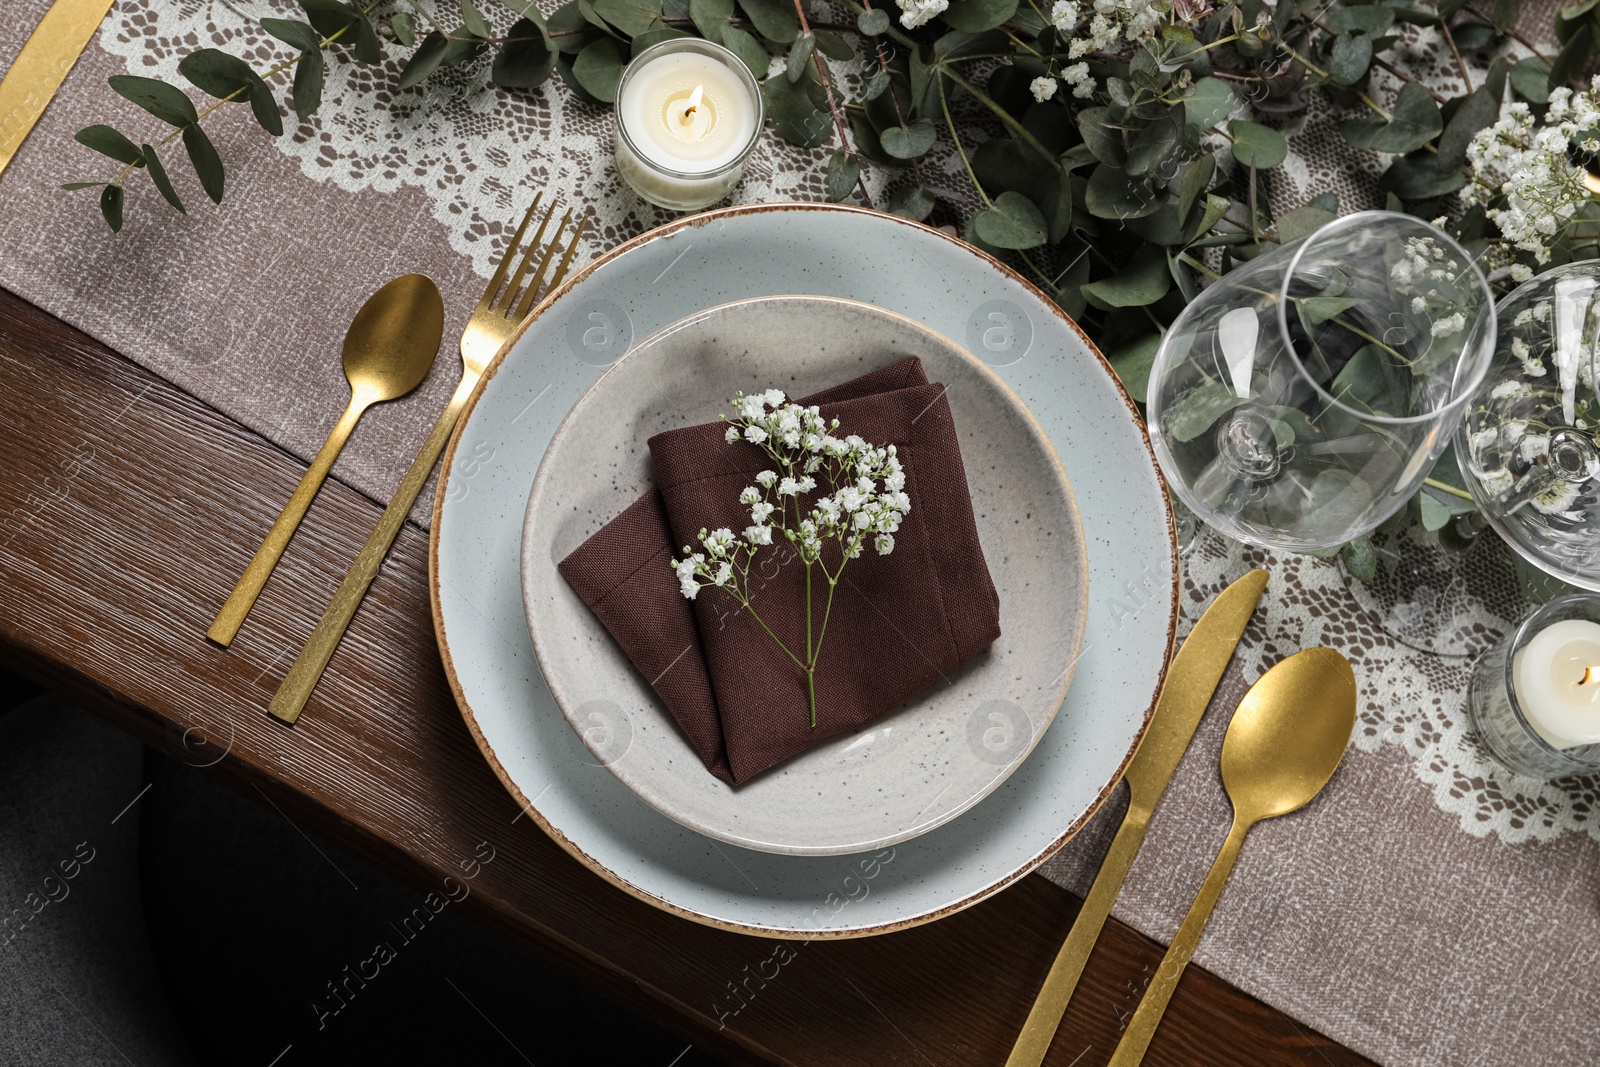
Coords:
pixel 78 985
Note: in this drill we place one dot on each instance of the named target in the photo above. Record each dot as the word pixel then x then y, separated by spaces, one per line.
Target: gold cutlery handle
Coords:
pixel 1040 1028
pixel 226 625
pixel 302 678
pixel 1142 1027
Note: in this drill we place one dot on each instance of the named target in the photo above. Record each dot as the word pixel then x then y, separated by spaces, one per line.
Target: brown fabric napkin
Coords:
pixel 900 622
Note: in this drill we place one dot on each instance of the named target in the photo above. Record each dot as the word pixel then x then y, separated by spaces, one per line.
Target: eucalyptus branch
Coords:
pixel 833 103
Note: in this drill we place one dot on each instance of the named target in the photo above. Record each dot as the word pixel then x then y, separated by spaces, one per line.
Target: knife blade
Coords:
pixel 42 66
pixel 1191 680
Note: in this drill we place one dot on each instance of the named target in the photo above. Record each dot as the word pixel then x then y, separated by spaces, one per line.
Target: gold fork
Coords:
pixel 493 322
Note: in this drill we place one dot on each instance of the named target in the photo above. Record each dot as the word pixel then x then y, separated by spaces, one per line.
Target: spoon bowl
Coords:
pixel 392 341
pixel 1289 734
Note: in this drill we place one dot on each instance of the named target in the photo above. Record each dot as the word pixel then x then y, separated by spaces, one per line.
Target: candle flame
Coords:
pixel 1591 675
pixel 694 100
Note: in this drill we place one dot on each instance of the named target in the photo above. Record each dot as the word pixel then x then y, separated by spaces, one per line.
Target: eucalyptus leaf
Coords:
pixel 873 22
pixel 332 19
pixel 1367 19
pixel 1349 59
pixel 1216 208
pixel 598 69
pixel 1141 283
pixel 1360 559
pixel 474 21
pixel 157 97
pixel 294 33
pixel 1152 145
pixel 1416 121
pixel 1258 146
pixel 1302 222
pixel 1422 175
pixel 404 28
pixel 843 170
pixel 1315 310
pixel 73 187
pixel 975 16
pixel 207 164
pixel 1574 53
pixel 912 202
pixel 1208 104
pixel 799 56
pixel 748 49
pixel 527 60
pixel 632 17
pixel 793 115
pixel 108 142
pixel 111 207
pixel 773 19
pixel 875 85
pixel 711 18
pixel 158 175
pixel 1133 361
pixel 1112 194
pixel 1475 113
pixel 1193 180
pixel 225 77
pixel 1194 411
pixel 834 47
pixel 307 91
pixel 1530 78
pixel 423 62
pixel 648 38
pixel 910 141
pixel 1101 137
pixel 1012 221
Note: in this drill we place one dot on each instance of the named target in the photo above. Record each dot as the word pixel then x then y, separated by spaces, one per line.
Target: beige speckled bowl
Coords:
pixel 916 768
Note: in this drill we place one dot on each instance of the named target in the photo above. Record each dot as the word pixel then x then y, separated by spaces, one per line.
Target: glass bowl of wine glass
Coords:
pixel 1301 399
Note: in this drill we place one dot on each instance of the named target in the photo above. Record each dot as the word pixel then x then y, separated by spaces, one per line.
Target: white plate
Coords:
pixel 764 250
pixel 908 772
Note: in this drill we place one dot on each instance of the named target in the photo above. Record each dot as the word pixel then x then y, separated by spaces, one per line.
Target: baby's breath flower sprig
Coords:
pixel 864 501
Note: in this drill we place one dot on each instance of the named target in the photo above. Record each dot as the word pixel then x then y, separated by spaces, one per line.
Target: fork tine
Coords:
pixel 509 298
pixel 505 257
pixel 566 258
pixel 531 297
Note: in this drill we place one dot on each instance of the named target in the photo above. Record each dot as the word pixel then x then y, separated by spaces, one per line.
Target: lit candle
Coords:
pixel 1557 681
pixel 689 113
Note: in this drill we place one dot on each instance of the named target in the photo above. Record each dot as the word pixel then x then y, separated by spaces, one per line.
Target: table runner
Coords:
pixel 1426 910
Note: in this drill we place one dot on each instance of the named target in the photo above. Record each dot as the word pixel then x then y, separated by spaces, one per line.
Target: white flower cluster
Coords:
pixel 1425 267
pixel 914 13
pixel 1109 22
pixel 1527 163
pixel 866 498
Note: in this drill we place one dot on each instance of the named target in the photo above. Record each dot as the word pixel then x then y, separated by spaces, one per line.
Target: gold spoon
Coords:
pixel 388 350
pixel 1283 745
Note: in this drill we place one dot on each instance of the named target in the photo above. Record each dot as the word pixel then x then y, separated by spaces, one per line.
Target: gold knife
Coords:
pixel 1191 679
pixel 42 66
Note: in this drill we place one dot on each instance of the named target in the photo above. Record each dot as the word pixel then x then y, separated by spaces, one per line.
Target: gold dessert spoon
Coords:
pixel 1283 745
pixel 388 350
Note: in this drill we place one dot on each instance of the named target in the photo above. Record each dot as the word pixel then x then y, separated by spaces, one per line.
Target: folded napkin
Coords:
pixel 900 622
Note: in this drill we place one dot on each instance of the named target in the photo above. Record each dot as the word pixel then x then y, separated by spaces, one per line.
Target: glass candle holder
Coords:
pixel 688 115
pixel 1528 695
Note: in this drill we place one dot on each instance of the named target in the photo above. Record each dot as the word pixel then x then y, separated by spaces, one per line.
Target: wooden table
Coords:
pixel 131 507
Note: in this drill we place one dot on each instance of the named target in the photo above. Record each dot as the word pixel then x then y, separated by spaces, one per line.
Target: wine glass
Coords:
pixel 1301 399
pixel 1530 442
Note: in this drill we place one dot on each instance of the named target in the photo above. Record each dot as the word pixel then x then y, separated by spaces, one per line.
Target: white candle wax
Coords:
pixel 1557 681
pixel 687 119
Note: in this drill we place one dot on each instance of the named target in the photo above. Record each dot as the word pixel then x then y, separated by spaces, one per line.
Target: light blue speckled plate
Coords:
pixel 764 250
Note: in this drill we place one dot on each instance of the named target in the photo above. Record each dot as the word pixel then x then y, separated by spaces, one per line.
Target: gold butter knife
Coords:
pixel 42 66
pixel 1191 679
